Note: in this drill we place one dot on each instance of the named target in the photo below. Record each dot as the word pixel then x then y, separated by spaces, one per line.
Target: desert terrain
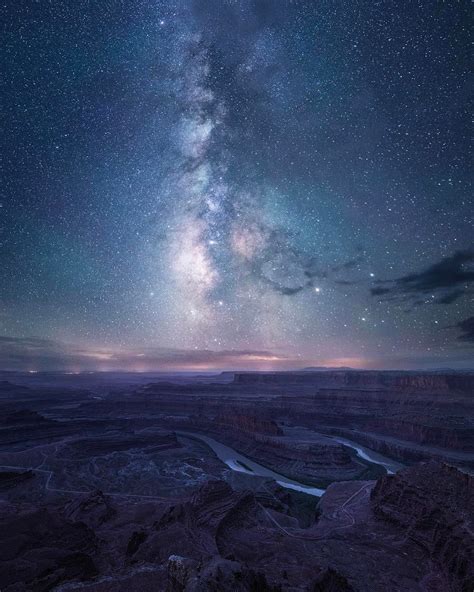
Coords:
pixel 319 480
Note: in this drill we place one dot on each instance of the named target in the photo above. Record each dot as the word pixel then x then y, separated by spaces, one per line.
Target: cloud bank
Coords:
pixel 446 281
pixel 32 354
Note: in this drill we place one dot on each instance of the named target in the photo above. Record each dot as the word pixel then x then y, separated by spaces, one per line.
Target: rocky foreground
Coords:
pixel 115 489
pixel 407 532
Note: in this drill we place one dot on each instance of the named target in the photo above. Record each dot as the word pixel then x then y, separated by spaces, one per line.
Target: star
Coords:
pixel 249 184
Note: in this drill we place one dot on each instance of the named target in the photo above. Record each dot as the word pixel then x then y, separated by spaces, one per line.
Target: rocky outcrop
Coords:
pixel 311 463
pixel 93 509
pixel 187 575
pixel 210 493
pixel 182 573
pixel 137 538
pixel 211 507
pixel 40 549
pixel 434 504
pixel 74 566
pixel 331 581
pixel 213 502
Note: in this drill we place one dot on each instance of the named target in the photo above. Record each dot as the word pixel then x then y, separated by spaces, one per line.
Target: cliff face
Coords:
pixel 425 501
pixel 452 437
pixel 403 451
pixel 249 423
pixel 410 416
pixel 410 409
pixel 403 381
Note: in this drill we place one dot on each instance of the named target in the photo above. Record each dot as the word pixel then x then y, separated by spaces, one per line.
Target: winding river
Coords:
pixel 240 463
pixel 389 465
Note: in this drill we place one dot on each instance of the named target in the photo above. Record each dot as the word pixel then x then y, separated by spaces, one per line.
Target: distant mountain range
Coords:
pixel 326 368
pixel 419 371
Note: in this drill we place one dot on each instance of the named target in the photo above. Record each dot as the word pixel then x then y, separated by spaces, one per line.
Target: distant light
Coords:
pixel 317 290
pixel 363 319
pixel 372 274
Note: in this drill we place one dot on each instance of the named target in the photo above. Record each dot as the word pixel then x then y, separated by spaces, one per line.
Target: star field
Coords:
pixel 248 184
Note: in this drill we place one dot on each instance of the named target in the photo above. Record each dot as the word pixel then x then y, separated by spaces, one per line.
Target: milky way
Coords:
pixel 235 184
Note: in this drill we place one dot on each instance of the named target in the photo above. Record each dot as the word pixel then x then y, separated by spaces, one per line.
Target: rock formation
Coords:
pixel 434 505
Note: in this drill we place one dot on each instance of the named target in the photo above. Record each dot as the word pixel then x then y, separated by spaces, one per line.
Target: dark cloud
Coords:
pixel 379 291
pixel 451 296
pixel 44 355
pixel 298 272
pixel 351 264
pixel 286 290
pixel 448 280
pixel 289 270
pixel 18 353
pixel 420 361
pixel 278 263
pixel 448 273
pixel 467 328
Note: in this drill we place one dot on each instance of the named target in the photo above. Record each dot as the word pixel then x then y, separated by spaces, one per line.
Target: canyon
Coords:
pixel 316 480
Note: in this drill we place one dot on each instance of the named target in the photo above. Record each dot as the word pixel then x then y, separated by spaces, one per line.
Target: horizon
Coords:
pixel 39 355
pixel 230 370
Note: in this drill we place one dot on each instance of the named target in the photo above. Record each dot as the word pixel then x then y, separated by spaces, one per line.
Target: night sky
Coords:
pixel 235 184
